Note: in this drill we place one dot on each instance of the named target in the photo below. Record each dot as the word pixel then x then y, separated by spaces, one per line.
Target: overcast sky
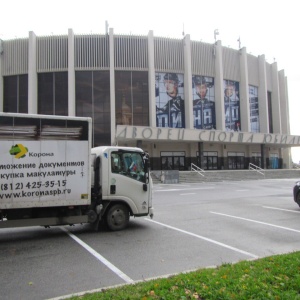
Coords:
pixel 264 27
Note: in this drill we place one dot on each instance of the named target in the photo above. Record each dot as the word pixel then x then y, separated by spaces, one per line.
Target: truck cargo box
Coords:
pixel 44 161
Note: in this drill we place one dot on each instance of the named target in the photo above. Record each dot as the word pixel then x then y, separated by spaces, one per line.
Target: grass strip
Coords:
pixel 275 277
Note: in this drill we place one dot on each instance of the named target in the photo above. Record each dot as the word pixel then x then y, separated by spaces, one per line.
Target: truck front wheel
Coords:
pixel 117 217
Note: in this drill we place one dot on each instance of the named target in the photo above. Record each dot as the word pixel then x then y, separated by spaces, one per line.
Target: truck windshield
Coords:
pixel 129 164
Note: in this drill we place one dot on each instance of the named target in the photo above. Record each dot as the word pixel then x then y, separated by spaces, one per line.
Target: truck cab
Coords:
pixel 121 184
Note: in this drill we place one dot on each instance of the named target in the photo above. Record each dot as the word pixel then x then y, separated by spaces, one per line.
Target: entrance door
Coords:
pixel 236 160
pixel 256 159
pixel 178 163
pixel 172 160
pixel 274 161
pixel 210 163
pixel 210 160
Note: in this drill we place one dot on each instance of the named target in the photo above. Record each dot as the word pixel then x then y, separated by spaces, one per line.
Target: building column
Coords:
pixel 284 105
pixel 284 116
pixel 32 75
pixel 244 92
pixel 200 150
pixel 219 89
pixel 263 96
pixel 188 86
pixel 71 74
pixel 288 156
pixel 287 105
pixel 262 155
pixel 276 115
pixel 151 81
pixel 112 88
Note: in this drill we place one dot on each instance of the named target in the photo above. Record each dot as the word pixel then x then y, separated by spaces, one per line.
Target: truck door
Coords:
pixel 128 177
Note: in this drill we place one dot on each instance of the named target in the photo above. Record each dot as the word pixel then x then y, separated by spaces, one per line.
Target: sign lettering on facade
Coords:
pixel 195 135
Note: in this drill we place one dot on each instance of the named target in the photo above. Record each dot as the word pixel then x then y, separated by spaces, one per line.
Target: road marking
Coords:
pixel 204 238
pixel 99 256
pixel 187 194
pixel 258 222
pixel 289 210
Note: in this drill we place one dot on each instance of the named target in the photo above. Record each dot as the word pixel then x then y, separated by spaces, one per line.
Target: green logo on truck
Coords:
pixel 18 150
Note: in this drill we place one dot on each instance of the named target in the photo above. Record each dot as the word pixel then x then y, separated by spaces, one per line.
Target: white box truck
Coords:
pixel 50 175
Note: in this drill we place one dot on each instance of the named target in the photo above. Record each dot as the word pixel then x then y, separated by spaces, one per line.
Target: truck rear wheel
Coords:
pixel 117 217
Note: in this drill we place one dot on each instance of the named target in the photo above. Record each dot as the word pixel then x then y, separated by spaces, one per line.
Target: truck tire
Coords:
pixel 117 217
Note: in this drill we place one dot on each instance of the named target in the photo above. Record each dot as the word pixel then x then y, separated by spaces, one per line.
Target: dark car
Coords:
pixel 296 192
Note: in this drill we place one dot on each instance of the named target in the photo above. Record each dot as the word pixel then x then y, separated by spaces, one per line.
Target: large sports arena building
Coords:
pixel 182 101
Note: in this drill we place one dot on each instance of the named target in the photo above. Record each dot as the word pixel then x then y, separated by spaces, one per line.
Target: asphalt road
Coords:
pixel 195 226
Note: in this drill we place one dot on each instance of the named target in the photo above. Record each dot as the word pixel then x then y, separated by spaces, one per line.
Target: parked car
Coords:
pixel 296 192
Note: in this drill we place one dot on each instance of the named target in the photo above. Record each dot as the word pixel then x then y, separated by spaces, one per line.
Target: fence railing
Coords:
pixel 257 169
pixel 195 168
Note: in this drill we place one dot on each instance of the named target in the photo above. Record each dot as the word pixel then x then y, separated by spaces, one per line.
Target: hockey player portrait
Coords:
pixel 203 103
pixel 169 103
pixel 232 106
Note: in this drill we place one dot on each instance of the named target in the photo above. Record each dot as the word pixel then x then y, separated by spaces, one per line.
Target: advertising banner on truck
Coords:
pixel 44 161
